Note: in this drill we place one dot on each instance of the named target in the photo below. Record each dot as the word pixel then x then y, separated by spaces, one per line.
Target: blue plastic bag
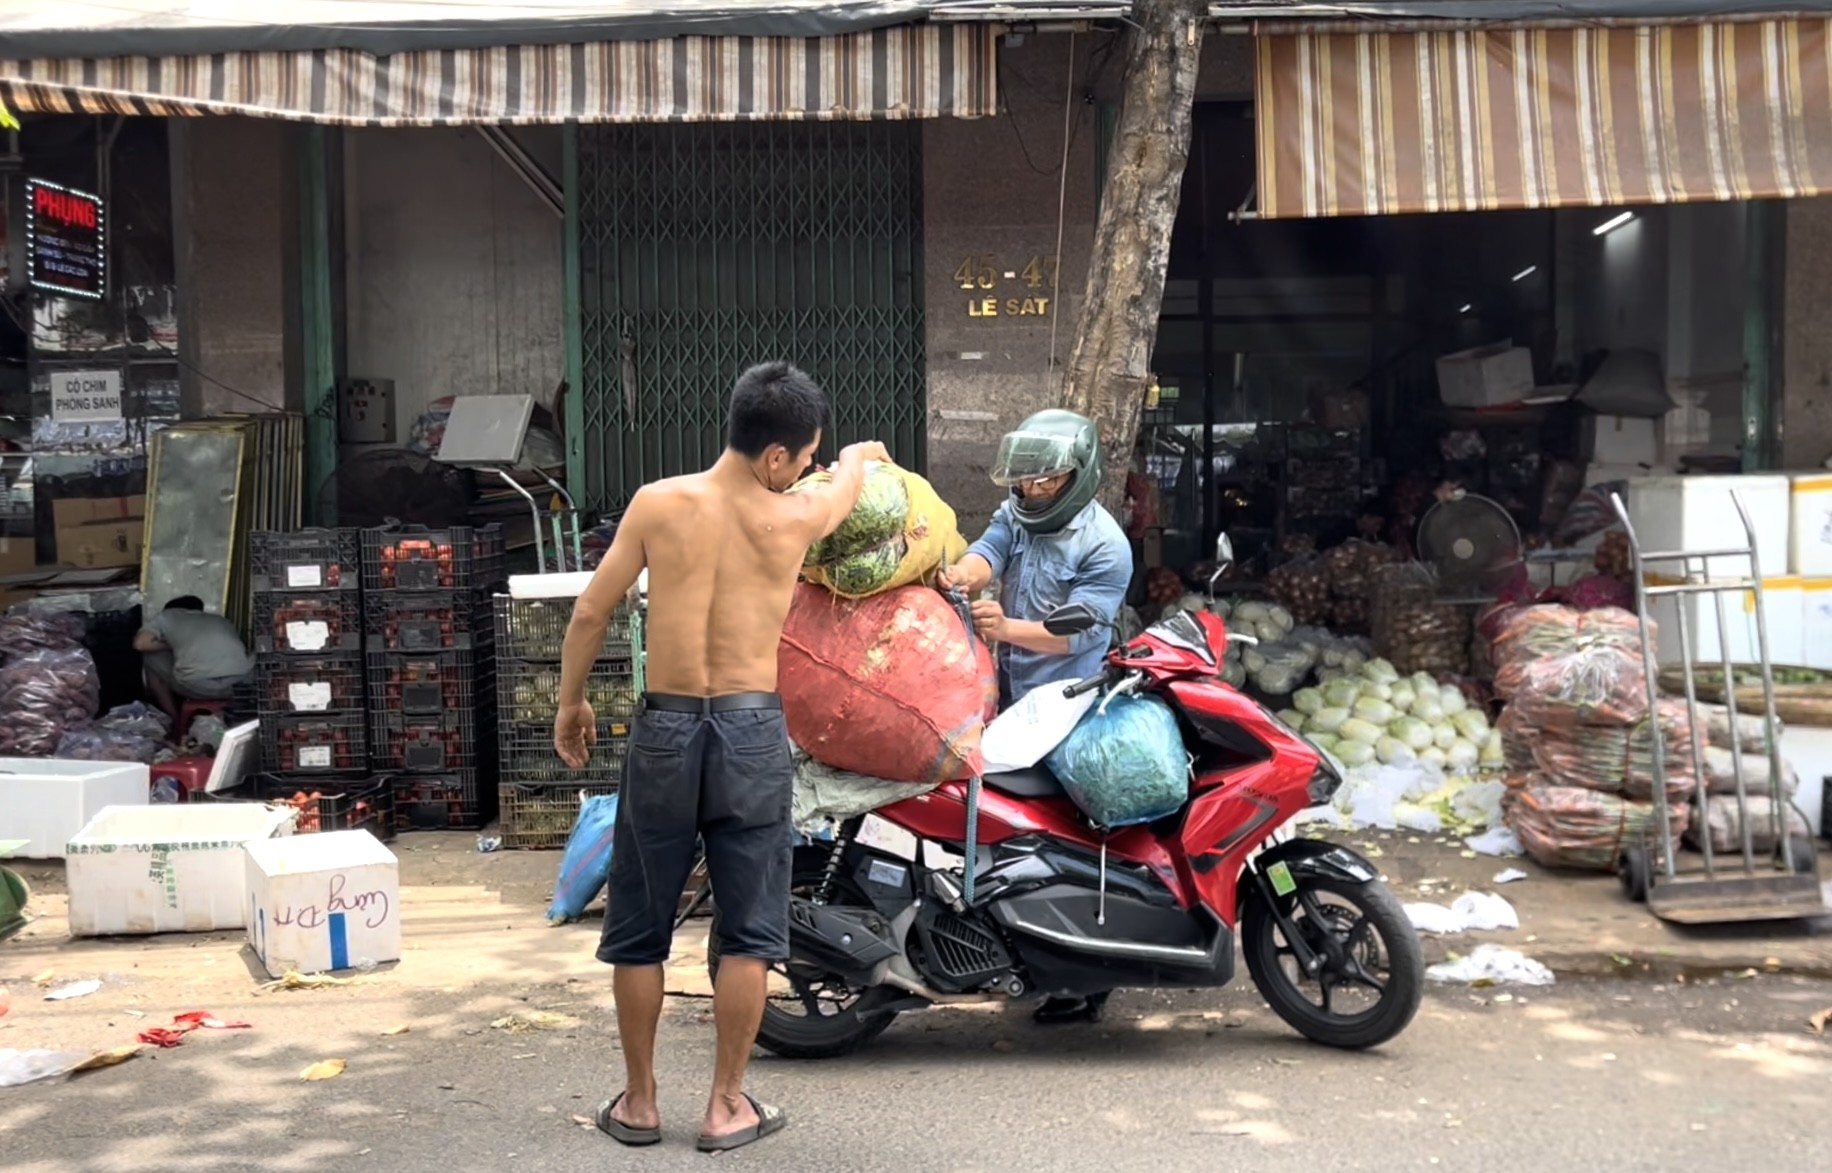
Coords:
pixel 585 865
pixel 1125 765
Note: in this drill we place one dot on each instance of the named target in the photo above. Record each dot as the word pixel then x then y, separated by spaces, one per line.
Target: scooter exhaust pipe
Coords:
pixel 912 986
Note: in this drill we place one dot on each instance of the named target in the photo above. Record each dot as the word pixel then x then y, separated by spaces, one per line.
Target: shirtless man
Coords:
pixel 708 757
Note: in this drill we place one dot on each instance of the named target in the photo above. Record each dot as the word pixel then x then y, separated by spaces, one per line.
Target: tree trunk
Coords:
pixel 1109 369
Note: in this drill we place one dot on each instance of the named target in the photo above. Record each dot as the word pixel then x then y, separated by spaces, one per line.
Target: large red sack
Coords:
pixel 889 686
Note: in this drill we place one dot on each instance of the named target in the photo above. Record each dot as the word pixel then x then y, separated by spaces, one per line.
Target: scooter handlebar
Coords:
pixel 1085 686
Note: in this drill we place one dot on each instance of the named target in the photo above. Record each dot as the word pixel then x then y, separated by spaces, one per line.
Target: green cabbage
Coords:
pixel 1354 753
pixel 1355 729
pixel 1412 731
pixel 1340 694
pixel 1327 720
pixel 1380 671
pixel 1394 752
pixel 1378 712
pixel 1471 724
pixel 1308 700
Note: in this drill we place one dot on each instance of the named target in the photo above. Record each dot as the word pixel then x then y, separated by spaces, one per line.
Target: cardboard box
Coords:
pixel 318 903
pixel 1617 439
pixel 95 510
pixel 18 555
pixel 107 544
pixel 1487 376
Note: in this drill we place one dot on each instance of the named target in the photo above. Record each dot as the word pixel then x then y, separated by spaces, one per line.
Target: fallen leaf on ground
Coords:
pixel 103 1059
pixel 44 979
pixel 395 1030
pixel 1818 1021
pixel 323 1069
pixel 74 990
pixel 585 1122
pixel 294 980
pixel 524 1020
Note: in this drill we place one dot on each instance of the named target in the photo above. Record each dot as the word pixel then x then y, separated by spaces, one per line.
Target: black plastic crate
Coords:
pixel 529 691
pixel 431 743
pixel 535 629
pixel 436 621
pixel 316 744
pixel 540 818
pixel 365 804
pixel 453 800
pixel 287 686
pixel 426 682
pixel 299 623
pixel 526 754
pixel 306 560
pixel 415 558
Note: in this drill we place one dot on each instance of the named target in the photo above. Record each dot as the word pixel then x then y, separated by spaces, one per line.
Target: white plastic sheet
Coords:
pixel 1490 964
pixel 1024 734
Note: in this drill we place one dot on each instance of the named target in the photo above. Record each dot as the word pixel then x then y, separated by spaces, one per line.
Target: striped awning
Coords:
pixel 923 71
pixel 1431 121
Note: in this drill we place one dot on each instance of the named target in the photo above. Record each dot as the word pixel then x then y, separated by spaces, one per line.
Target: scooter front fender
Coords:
pixel 1323 861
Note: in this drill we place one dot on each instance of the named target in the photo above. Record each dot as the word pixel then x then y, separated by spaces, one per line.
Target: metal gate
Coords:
pixel 705 248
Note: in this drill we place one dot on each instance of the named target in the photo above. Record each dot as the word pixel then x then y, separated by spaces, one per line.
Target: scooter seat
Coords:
pixel 1036 782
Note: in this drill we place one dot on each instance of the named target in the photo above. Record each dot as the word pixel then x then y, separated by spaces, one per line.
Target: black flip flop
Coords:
pixel 625 1134
pixel 769 1120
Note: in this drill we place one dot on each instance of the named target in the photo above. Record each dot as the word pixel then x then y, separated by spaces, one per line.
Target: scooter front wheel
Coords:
pixel 1371 976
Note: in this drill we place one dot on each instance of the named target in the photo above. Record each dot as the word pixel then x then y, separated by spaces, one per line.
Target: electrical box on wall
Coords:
pixel 365 411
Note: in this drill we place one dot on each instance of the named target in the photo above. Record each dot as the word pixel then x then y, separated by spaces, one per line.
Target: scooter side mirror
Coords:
pixel 1224 558
pixel 1071 619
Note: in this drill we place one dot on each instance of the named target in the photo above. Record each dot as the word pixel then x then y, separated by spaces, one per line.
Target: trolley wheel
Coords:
pixel 1806 856
pixel 1635 870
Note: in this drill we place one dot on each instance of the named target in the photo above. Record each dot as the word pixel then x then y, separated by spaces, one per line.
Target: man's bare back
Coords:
pixel 722 561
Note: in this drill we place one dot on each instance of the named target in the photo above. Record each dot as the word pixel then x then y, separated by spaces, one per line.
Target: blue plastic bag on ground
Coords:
pixel 1124 764
pixel 585 865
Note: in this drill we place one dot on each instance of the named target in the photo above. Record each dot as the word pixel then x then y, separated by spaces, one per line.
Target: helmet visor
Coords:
pixel 1027 456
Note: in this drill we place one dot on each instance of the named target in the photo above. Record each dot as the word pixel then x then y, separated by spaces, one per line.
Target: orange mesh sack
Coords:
pixel 889 686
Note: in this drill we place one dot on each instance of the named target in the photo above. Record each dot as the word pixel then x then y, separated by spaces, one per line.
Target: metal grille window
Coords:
pixel 707 248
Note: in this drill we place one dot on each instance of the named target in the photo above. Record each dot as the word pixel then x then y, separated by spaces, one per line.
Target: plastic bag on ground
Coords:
pixel 1490 964
pixel 1726 825
pixel 889 687
pixel 824 795
pixel 18 1068
pixel 42 694
pixel 585 865
pixel 1018 738
pixel 1472 912
pixel 1499 841
pixel 1126 764
pixel 900 532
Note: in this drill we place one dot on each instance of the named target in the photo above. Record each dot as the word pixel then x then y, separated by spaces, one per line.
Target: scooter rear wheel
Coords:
pixel 1372 929
pixel 811 1015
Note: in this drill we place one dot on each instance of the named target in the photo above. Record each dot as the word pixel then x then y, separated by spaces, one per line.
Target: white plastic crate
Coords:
pixel 172 868
pixel 1671 514
pixel 322 902
pixel 46 801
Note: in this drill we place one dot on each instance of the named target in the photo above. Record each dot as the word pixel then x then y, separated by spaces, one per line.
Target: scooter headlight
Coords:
pixel 1324 782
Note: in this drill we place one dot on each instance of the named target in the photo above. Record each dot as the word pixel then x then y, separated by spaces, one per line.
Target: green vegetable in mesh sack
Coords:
pixel 1355 729
pixel 867 571
pixel 1124 764
pixel 881 514
pixel 1292 718
pixel 1327 720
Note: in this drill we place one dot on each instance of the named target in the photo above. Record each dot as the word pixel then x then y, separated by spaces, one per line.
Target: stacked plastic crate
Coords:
pixel 539 794
pixel 426 605
pixel 308 679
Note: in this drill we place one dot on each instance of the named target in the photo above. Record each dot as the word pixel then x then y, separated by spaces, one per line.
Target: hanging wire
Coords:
pixel 1062 200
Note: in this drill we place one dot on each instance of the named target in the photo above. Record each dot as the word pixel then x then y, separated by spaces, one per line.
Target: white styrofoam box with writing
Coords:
pixel 1698 513
pixel 1620 439
pixel 318 903
pixel 1810 531
pixel 1782 607
pixel 1809 750
pixel 171 868
pixel 1816 623
pixel 1487 376
pixel 45 801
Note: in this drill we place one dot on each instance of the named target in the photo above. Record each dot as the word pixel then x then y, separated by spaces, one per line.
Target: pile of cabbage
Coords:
pixel 1287 654
pixel 1375 715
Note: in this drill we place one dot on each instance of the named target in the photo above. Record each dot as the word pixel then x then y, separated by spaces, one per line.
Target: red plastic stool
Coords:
pixel 180 779
pixel 190 711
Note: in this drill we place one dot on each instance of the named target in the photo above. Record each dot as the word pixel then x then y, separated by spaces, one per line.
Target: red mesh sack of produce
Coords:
pixel 1596 686
pixel 1571 827
pixel 888 686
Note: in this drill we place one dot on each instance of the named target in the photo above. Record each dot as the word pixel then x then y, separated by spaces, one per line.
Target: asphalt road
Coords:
pixel 1612 1075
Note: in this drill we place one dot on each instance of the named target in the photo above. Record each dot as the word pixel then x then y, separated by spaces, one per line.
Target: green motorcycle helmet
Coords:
pixel 1050 444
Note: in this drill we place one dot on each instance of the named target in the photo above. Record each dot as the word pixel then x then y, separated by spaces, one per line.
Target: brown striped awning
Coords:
pixel 1356 124
pixel 924 71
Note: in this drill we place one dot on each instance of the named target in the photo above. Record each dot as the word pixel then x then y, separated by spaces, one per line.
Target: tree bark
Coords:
pixel 1110 366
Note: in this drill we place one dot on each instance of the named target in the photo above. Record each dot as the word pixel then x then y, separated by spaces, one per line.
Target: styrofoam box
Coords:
pixel 1782 607
pixel 45 801
pixel 172 868
pixel 1487 376
pixel 1618 439
pixel 1671 514
pixel 1810 531
pixel 323 902
pixel 1809 751
pixel 1816 623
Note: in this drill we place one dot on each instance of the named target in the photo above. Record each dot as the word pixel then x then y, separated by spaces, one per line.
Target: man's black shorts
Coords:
pixel 715 770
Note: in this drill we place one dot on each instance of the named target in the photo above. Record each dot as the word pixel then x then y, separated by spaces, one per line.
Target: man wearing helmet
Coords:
pixel 1050 543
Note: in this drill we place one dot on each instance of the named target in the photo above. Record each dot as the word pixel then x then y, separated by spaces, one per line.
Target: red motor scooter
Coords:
pixel 880 925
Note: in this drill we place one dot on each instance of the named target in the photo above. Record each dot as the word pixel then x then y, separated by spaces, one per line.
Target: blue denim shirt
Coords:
pixel 1087 561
